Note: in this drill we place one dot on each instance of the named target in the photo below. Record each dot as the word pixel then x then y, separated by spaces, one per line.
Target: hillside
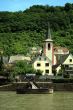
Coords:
pixel 19 31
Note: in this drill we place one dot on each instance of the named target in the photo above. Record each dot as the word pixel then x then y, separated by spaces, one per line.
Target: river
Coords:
pixel 55 101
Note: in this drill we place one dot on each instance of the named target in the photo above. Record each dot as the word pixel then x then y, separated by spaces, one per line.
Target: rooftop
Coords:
pixel 61 50
pixel 48 40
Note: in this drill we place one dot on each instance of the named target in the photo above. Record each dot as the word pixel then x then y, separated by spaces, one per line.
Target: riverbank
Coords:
pixel 55 86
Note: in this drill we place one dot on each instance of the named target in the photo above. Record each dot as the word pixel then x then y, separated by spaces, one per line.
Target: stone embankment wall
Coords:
pixel 55 86
pixel 8 87
pixel 13 86
pixel 63 86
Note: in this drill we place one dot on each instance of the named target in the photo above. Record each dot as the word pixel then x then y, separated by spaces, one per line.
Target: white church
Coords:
pixel 44 61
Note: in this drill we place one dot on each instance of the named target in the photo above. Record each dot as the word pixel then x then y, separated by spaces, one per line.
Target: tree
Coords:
pixel 38 72
pixel 68 6
pixel 22 68
pixel 19 29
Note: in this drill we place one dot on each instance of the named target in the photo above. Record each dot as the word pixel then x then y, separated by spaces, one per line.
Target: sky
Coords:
pixel 17 5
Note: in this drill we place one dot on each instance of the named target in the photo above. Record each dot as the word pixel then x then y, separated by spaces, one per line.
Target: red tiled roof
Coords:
pixel 64 49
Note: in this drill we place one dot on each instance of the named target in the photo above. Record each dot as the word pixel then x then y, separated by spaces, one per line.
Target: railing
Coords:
pixel 68 69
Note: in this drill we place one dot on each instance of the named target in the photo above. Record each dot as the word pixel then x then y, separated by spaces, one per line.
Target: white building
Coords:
pixel 66 61
pixel 44 64
pixel 15 58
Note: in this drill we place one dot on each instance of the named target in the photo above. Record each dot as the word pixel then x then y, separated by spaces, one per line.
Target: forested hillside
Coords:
pixel 21 30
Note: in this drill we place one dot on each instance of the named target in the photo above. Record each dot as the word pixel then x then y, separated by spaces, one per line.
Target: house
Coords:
pixel 15 58
pixel 43 63
pixel 60 54
pixel 67 62
pixel 58 50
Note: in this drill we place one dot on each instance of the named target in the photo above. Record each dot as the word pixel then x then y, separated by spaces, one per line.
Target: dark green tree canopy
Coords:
pixel 21 30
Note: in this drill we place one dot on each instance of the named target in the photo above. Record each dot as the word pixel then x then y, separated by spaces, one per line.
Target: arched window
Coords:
pixel 48 46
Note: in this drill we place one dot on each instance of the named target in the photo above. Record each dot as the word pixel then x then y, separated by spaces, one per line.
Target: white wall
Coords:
pixel 67 61
pixel 43 67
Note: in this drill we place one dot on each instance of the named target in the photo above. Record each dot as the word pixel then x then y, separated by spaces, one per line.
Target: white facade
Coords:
pixel 48 48
pixel 18 58
pixel 58 68
pixel 46 61
pixel 69 60
pixel 55 60
pixel 44 65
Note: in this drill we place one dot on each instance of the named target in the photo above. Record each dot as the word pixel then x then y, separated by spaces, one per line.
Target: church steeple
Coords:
pixel 48 37
pixel 48 31
pixel 48 45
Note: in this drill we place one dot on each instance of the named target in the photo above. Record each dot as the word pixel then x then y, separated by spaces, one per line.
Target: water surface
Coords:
pixel 55 101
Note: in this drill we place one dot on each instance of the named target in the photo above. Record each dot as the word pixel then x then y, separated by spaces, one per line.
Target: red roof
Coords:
pixel 63 49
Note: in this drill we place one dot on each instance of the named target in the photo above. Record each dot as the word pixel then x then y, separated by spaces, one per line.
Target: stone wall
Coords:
pixel 63 86
pixel 55 86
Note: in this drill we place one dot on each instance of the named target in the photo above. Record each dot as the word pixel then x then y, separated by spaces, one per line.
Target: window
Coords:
pixel 48 46
pixel 46 64
pixel 38 64
pixel 45 59
pixel 70 60
pixel 39 58
pixel 66 66
pixel 46 71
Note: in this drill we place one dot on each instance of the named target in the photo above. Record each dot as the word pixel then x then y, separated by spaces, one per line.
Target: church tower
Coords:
pixel 48 45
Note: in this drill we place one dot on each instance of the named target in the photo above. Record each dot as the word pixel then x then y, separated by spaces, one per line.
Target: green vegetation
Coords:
pixel 22 67
pixel 19 43
pixel 21 30
pixel 19 68
pixel 1 62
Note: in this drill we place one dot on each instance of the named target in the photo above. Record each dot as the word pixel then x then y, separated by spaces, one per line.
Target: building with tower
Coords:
pixel 53 57
pixel 44 61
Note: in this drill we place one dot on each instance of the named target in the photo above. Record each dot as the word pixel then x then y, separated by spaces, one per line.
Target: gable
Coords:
pixel 42 58
pixel 69 60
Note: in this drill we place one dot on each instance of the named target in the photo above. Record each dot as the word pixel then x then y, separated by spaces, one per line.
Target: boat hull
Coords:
pixel 32 91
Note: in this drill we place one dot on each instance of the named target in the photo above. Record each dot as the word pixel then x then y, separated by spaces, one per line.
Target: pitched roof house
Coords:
pixel 66 61
pixel 44 64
